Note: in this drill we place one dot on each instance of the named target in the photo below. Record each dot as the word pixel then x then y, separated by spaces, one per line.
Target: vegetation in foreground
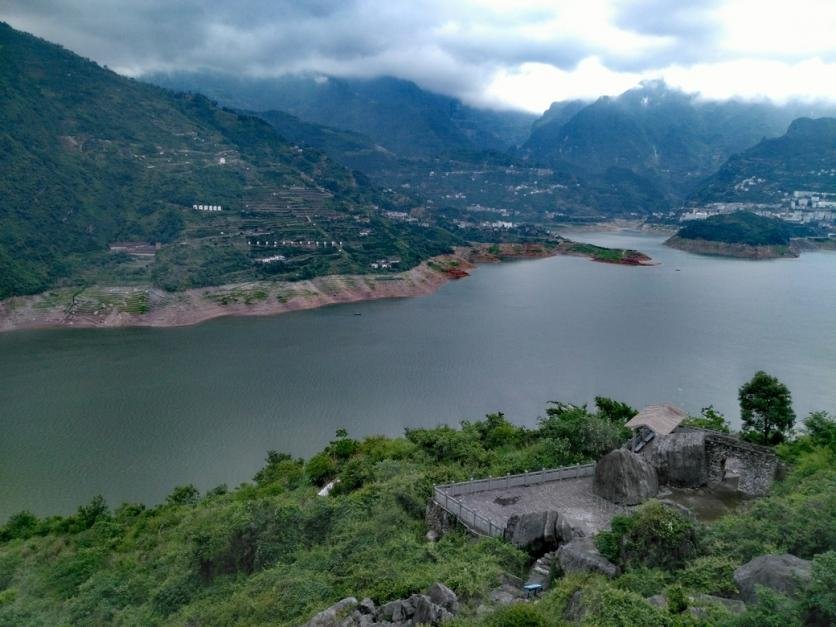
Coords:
pixel 273 552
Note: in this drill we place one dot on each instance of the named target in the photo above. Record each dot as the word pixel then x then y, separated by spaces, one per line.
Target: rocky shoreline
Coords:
pixel 143 306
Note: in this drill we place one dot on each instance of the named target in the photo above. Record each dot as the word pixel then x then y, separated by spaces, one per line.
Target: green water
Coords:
pixel 130 413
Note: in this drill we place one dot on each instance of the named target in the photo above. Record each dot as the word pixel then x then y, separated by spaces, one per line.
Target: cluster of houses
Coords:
pixel 272 259
pixel 207 207
pixel 384 264
pixel 259 243
pixel 137 249
pixel 801 207
pixel 811 201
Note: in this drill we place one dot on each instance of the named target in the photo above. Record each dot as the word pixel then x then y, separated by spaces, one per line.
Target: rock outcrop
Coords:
pixel 539 532
pixel 783 573
pixel 679 458
pixel 532 530
pixel 438 520
pixel 437 606
pixel 580 555
pixel 443 596
pixel 335 615
pixel 625 478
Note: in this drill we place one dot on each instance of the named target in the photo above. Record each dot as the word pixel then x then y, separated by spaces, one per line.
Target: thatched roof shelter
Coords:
pixel 661 419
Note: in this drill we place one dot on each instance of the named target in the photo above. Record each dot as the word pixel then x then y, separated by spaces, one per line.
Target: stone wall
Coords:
pixel 754 465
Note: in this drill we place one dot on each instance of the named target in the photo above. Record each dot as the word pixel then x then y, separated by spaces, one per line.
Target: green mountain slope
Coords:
pixel 671 138
pixel 802 159
pixel 395 113
pixel 89 157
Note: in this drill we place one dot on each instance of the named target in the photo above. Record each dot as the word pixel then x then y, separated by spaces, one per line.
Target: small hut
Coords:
pixel 654 420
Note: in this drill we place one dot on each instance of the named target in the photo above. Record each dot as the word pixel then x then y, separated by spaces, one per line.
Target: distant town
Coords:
pixel 800 207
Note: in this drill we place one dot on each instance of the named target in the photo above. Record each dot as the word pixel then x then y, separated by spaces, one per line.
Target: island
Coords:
pixel 739 234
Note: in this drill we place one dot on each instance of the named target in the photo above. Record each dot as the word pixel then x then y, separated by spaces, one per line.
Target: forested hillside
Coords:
pixel 804 158
pixel 395 113
pixel 89 157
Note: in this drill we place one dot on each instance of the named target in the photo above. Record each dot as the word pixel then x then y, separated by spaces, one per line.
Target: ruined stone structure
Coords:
pixel 727 457
pixel 689 457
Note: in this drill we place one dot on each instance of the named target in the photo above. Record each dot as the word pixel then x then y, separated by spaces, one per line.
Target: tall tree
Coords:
pixel 765 409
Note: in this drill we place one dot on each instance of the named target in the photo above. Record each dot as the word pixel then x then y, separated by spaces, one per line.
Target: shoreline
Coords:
pixel 146 306
pixel 725 249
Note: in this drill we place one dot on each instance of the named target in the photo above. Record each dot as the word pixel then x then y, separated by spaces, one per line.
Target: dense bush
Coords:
pixel 655 536
pixel 710 574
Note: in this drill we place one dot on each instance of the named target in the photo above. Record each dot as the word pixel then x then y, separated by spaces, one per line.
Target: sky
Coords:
pixel 522 54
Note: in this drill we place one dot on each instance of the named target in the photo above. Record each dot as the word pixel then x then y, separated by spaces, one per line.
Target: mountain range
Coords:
pixel 652 145
pixel 672 138
pixel 90 158
pixel 804 158
pixel 394 113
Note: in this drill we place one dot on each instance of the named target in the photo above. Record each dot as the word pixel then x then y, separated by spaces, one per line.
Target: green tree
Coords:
pixel 709 418
pixel 614 411
pixel 766 409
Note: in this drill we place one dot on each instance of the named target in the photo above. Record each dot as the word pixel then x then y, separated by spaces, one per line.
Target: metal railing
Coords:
pixel 445 495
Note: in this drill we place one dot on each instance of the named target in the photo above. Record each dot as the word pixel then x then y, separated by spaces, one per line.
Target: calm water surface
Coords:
pixel 129 413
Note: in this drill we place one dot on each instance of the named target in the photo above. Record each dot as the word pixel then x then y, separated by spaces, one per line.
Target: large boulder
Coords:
pixel 580 555
pixel 625 478
pixel 783 573
pixel 443 596
pixel 533 530
pixel 335 615
pixel 679 458
pixel 396 611
pixel 426 612
pixel 542 531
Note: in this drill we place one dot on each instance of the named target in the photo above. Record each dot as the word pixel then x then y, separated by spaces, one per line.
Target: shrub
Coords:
pixel 655 536
pixel 320 468
pixel 378 448
pixel 281 469
pixel 614 411
pixel 95 510
pixel 174 594
pixel 183 495
pixel 709 418
pixel 354 474
pixel 517 615
pixel 588 436
pixel 644 581
pixel 343 447
pixel 605 604
pixel 677 602
pixel 771 610
pixel 710 574
pixel 21 525
pixel 820 598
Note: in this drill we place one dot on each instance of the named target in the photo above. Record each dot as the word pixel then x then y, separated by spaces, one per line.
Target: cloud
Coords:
pixel 518 53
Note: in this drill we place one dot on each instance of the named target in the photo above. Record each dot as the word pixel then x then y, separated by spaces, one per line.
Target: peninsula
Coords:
pixel 739 234
pixel 144 305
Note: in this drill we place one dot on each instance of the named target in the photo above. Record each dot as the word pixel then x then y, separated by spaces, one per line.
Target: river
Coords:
pixel 130 413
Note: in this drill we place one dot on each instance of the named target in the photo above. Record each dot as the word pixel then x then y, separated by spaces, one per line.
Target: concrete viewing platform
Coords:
pixel 572 498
